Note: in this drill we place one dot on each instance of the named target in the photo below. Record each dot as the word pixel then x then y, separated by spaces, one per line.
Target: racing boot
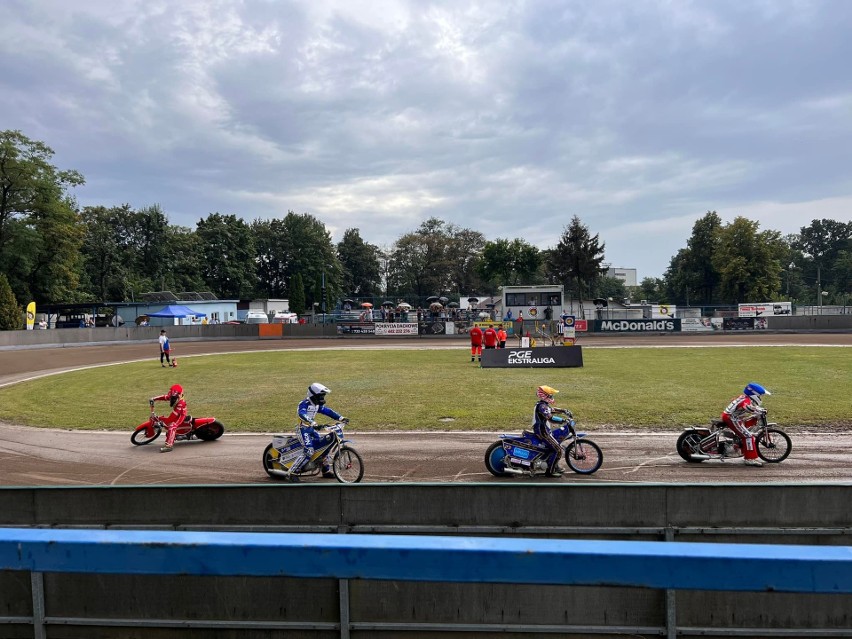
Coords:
pixel 753 462
pixel 167 448
pixel 327 472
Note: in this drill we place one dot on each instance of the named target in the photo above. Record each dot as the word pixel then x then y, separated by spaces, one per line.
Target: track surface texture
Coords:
pixel 33 456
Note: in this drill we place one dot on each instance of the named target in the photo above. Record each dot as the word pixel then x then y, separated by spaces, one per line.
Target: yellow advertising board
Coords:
pixel 30 316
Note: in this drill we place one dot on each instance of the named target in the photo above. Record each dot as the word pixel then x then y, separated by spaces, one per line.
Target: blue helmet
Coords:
pixel 755 392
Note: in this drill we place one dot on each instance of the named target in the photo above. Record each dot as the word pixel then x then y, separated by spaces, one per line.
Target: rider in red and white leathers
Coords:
pixel 177 416
pixel 308 409
pixel 741 413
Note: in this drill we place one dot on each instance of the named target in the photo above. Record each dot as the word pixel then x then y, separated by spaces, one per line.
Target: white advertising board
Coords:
pixel 766 309
pixel 396 328
pixel 696 324
pixel 663 311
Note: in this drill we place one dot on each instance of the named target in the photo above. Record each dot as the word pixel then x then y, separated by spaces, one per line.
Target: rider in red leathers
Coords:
pixel 177 416
pixel 741 413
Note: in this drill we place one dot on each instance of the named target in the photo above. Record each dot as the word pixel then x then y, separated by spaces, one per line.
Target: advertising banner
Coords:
pixel 662 311
pixel 581 325
pixel 396 328
pixel 765 310
pixel 356 328
pixel 637 326
pixel 543 357
pixel 738 323
pixel 696 325
pixel 30 316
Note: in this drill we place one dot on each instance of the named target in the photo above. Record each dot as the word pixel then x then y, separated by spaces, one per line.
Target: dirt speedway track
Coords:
pixel 32 456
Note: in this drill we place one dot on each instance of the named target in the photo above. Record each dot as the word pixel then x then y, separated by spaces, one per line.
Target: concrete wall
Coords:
pixel 809 323
pixel 817 514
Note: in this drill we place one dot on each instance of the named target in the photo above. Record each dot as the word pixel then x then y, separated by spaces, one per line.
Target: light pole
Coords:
pixel 789 272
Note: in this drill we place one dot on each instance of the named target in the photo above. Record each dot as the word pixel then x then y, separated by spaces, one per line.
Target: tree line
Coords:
pixel 52 251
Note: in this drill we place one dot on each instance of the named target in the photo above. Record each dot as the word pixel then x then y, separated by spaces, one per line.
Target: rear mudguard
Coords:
pixel 202 421
pixel 702 432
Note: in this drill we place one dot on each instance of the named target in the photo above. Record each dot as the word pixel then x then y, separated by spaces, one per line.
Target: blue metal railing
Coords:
pixel 780 568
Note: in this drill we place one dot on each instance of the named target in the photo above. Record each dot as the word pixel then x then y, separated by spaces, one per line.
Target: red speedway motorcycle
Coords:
pixel 696 445
pixel 204 428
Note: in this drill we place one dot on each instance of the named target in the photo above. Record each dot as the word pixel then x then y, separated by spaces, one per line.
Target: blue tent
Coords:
pixel 176 310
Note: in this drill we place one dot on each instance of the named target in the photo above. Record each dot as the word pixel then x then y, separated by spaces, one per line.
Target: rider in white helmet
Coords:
pixel 313 403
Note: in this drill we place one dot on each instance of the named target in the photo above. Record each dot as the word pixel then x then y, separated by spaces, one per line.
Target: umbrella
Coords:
pixel 443 300
pixel 453 305
pixel 432 298
pixel 349 301
pixel 388 304
pixel 366 305
pixel 404 305
pixel 473 300
pixel 435 306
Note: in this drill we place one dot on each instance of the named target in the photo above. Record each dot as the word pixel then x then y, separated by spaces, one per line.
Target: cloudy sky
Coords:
pixel 507 117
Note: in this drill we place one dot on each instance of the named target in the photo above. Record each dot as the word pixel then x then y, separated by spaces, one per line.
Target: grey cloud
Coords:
pixel 506 117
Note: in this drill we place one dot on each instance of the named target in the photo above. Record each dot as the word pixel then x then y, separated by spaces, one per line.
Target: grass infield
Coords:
pixel 441 389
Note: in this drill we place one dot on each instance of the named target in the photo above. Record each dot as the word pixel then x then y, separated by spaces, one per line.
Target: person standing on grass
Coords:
pixel 475 343
pixel 490 337
pixel 501 337
pixel 165 349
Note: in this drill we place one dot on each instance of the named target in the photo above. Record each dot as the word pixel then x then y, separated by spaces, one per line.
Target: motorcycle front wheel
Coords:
pixel 494 457
pixel 348 466
pixel 689 443
pixel 583 456
pixel 140 437
pixel 773 445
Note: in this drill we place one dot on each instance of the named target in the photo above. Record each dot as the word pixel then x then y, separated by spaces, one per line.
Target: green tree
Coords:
pixel 40 232
pixel 274 253
pixel 650 289
pixel 297 294
pixel 437 257
pixel 576 261
pixel 11 313
pixel 510 263
pixel 229 255
pixel 360 263
pixel 298 243
pixel 747 261
pixel 609 288
pixel 184 250
pixel 821 243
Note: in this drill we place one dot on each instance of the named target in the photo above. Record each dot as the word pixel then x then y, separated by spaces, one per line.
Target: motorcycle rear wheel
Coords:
pixel 140 437
pixel 583 456
pixel 348 467
pixel 270 462
pixel 494 457
pixel 773 445
pixel 212 431
pixel 688 443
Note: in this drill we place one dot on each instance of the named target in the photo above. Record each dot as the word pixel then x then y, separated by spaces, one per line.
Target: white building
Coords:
pixel 626 275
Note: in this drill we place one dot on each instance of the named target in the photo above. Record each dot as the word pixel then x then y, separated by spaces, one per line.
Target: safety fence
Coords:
pixel 481 560
pixel 533 600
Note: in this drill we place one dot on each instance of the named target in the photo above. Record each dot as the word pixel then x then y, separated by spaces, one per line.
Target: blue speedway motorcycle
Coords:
pixel 346 463
pixel 527 454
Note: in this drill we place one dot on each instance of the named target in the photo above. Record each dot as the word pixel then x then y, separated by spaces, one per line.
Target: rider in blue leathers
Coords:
pixel 543 412
pixel 306 431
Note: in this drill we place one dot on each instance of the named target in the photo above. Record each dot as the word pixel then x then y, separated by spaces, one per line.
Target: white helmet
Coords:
pixel 317 393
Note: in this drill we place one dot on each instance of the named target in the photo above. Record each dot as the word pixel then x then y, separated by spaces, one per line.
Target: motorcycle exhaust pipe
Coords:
pixel 279 473
pixel 701 456
pixel 514 471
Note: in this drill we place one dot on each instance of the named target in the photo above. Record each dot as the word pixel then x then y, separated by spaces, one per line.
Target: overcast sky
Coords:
pixel 507 117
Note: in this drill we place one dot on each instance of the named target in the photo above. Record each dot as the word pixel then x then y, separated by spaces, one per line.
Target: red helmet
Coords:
pixel 175 393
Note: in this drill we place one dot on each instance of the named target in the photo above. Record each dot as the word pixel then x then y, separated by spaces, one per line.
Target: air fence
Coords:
pixel 426 560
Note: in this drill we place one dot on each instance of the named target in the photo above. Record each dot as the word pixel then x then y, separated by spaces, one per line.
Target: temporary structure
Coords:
pixel 176 310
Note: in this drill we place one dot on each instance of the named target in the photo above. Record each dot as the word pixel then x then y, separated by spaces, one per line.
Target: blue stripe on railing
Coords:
pixel 691 566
